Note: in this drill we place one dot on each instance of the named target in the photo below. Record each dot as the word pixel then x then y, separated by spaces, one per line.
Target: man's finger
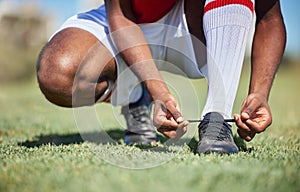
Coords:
pixel 173 109
pixel 240 124
pixel 182 129
pixel 243 130
pixel 243 134
pixel 248 136
pixel 174 134
pixel 169 134
pixel 162 122
pixel 166 129
pixel 257 127
pixel 250 108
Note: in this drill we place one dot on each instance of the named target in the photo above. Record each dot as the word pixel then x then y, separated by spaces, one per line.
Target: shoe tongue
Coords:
pixel 214 116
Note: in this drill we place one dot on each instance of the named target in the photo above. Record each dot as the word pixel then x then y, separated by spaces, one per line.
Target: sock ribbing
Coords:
pixel 226 26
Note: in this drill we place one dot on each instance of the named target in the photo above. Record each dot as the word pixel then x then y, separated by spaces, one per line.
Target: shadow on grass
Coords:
pixel 76 138
pixel 112 136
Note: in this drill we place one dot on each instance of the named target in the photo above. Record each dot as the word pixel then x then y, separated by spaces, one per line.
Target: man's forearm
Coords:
pixel 268 47
pixel 132 45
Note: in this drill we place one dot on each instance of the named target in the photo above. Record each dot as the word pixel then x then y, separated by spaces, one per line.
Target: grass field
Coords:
pixel 41 150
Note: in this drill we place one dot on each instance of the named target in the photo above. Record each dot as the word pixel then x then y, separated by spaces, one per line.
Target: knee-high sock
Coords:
pixel 226 26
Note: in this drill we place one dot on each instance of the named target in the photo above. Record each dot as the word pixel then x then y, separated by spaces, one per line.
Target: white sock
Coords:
pixel 226 26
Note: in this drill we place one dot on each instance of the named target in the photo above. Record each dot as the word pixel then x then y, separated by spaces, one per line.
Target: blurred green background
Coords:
pixel 25 26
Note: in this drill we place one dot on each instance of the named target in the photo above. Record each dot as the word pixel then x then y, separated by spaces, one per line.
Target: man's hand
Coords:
pixel 255 116
pixel 168 118
pixel 268 46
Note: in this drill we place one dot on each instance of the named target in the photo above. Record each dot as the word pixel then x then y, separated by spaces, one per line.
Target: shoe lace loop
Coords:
pixel 218 130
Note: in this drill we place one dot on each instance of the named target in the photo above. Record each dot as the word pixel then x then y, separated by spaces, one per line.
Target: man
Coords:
pixel 94 50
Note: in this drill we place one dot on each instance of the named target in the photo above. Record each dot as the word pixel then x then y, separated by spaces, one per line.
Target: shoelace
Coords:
pixel 216 133
pixel 213 121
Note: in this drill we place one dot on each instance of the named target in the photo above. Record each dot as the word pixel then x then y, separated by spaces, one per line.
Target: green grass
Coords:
pixel 41 150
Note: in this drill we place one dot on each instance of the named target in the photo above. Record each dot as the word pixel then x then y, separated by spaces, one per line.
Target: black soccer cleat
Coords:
pixel 215 135
pixel 140 130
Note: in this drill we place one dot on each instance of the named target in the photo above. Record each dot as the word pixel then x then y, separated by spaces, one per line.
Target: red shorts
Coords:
pixel 149 11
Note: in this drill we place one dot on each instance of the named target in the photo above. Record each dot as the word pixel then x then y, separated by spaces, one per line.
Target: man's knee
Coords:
pixel 55 73
pixel 60 59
